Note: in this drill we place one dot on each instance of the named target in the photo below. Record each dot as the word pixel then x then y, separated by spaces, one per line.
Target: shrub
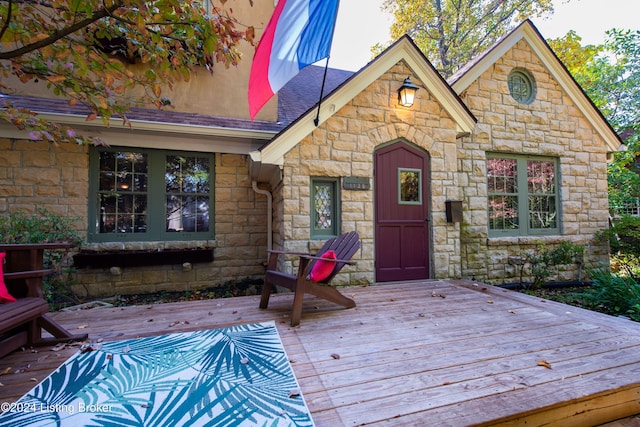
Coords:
pixel 614 294
pixel 543 261
pixel 43 227
pixel 628 265
pixel 624 235
pixel 46 227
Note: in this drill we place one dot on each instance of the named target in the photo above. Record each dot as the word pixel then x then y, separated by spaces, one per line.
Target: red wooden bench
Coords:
pixel 22 321
pixel 344 246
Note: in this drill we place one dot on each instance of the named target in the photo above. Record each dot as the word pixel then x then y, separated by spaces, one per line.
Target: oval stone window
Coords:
pixel 521 86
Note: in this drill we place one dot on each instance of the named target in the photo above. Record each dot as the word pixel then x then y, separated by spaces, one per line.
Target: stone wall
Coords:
pixel 551 125
pixel 344 146
pixel 56 178
pixel 41 175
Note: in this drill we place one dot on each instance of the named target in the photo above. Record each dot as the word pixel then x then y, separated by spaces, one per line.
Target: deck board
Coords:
pixel 453 353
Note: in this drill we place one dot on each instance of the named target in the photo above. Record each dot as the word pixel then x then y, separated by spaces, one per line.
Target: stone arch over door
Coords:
pixel 402 212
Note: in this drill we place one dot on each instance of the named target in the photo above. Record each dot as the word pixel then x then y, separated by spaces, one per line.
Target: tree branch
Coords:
pixel 7 20
pixel 59 34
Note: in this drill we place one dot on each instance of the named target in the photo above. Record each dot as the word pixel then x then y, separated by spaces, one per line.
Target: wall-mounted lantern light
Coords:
pixel 407 93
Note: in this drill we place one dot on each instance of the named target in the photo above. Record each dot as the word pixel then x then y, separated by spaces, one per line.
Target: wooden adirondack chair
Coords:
pixel 344 246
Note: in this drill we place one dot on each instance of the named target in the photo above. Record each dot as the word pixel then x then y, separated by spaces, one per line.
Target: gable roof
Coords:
pixel 464 77
pixel 272 153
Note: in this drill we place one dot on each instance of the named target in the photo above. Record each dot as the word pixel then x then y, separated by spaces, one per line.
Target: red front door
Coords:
pixel 402 214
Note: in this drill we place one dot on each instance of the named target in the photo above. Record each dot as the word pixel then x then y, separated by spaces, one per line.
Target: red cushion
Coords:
pixel 323 269
pixel 5 296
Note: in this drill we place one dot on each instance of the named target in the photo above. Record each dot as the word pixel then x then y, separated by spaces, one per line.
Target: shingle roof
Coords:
pixel 59 106
pixel 303 91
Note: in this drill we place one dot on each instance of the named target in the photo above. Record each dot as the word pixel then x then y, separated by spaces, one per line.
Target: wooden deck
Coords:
pixel 436 353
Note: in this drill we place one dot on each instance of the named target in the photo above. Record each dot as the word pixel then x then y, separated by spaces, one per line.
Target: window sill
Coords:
pixel 140 258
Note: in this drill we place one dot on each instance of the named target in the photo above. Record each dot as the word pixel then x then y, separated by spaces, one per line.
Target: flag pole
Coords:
pixel 316 121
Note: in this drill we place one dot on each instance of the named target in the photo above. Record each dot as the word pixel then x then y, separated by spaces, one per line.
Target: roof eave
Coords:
pixel 403 49
pixel 151 126
pixel 527 31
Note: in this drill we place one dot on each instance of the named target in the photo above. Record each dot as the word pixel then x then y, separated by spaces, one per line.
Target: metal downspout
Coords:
pixel 254 185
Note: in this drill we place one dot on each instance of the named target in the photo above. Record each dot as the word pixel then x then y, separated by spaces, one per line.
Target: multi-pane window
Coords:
pixel 542 191
pixel 502 176
pixel 122 192
pixel 187 186
pixel 150 195
pixel 324 207
pixel 521 86
pixel 523 195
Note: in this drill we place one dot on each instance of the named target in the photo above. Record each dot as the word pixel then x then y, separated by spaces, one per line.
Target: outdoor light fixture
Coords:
pixel 407 93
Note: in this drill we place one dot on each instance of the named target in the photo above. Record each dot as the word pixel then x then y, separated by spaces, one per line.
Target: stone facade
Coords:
pixel 344 146
pixel 34 174
pixel 552 126
pixel 41 175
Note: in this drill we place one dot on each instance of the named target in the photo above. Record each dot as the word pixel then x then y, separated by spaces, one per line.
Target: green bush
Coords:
pixel 544 261
pixel 614 294
pixel 42 227
pixel 45 227
pixel 626 265
pixel 624 235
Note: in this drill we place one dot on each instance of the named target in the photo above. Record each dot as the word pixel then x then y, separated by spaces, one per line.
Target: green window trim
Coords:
pixel 522 87
pixel 130 191
pixel 409 186
pixel 523 195
pixel 325 207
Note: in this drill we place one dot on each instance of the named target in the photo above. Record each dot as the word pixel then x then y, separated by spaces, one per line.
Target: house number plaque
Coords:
pixel 355 183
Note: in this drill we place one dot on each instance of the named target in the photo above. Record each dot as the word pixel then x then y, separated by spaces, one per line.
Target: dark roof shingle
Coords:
pixel 303 91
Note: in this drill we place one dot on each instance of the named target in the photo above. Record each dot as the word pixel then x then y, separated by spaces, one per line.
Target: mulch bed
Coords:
pixel 227 290
pixel 234 289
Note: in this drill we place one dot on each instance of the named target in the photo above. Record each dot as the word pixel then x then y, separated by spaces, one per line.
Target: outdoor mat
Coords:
pixel 236 376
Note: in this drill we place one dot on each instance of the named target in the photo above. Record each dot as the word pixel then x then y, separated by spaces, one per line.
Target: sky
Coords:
pixel 361 24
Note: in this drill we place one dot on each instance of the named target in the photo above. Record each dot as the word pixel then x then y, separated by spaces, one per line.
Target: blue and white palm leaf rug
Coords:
pixel 236 376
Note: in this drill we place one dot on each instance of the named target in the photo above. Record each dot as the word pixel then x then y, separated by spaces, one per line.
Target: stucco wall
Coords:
pixel 344 146
pixel 37 174
pixel 205 92
pixel 551 125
